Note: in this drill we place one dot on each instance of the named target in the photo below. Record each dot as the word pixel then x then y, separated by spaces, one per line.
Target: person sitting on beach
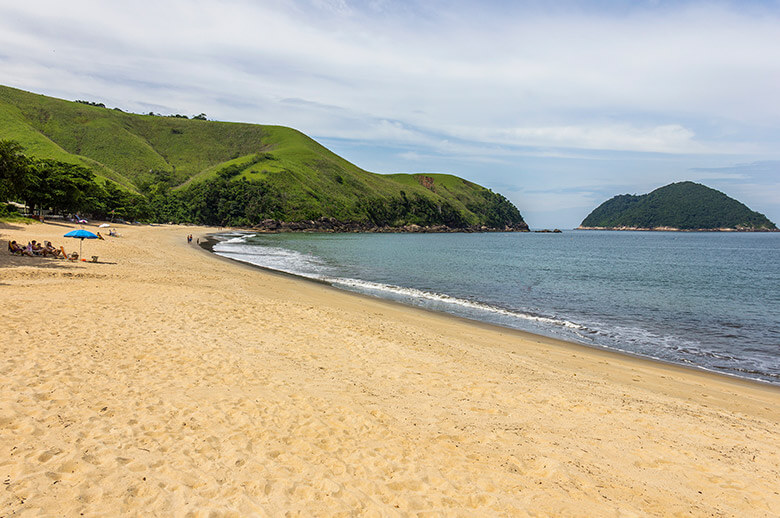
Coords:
pixel 36 248
pixel 49 249
pixel 14 248
pixel 112 232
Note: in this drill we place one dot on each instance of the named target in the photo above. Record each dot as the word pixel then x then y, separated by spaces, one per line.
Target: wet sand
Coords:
pixel 165 381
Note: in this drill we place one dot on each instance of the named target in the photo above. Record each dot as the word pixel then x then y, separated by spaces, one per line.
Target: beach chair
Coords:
pixel 72 257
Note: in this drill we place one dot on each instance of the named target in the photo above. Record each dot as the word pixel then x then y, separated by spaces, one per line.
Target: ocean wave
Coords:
pixel 274 258
pixel 237 239
pixel 592 333
pixel 415 294
pixel 232 238
pixel 309 266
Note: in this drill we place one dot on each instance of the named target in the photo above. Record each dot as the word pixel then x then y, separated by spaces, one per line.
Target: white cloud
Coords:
pixel 703 176
pixel 671 138
pixel 557 74
pixel 491 84
pixel 759 196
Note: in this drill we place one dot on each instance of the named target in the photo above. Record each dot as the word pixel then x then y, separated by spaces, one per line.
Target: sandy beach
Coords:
pixel 166 381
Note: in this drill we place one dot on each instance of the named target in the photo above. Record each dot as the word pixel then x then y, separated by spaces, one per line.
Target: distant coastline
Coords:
pixel 333 225
pixel 674 229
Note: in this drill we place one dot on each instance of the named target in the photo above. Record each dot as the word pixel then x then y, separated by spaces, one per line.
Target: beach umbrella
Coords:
pixel 82 235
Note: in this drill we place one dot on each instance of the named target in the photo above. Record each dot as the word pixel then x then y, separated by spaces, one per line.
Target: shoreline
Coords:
pixel 163 381
pixel 208 241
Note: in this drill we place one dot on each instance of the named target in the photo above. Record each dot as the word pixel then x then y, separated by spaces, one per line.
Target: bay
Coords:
pixel 709 300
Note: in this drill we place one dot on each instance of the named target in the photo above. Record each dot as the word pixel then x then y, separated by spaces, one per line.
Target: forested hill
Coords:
pixel 678 206
pixel 189 169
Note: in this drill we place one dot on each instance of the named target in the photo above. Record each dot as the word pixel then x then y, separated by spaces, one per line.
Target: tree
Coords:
pixel 14 170
pixel 72 188
pixel 60 186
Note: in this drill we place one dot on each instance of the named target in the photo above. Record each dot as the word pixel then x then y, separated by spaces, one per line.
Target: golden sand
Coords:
pixel 173 383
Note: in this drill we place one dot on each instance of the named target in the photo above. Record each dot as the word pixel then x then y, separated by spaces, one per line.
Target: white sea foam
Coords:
pixel 309 266
pixel 236 239
pixel 274 258
pixel 415 294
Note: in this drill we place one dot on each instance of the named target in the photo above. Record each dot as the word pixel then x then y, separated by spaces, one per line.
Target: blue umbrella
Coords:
pixel 81 234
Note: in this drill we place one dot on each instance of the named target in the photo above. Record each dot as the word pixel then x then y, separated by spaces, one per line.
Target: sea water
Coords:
pixel 709 300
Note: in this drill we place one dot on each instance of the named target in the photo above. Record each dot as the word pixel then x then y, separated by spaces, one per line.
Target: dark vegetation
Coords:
pixel 683 205
pixel 60 187
pixel 224 199
pixel 201 116
pixel 90 103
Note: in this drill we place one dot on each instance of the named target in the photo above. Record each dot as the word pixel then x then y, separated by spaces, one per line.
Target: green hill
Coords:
pixel 682 206
pixel 139 153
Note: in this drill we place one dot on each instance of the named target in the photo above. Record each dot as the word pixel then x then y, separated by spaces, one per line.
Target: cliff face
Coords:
pixel 678 206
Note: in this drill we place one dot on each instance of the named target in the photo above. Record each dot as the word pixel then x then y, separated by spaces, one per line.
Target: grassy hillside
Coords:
pixel 683 205
pixel 136 151
pixel 127 146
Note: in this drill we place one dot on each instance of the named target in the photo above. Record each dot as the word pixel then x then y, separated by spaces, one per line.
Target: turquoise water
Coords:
pixel 710 300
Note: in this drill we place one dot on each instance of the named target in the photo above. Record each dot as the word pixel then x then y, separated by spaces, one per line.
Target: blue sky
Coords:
pixel 558 107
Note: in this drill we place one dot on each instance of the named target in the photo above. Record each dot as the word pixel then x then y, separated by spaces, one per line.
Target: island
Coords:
pixel 681 206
